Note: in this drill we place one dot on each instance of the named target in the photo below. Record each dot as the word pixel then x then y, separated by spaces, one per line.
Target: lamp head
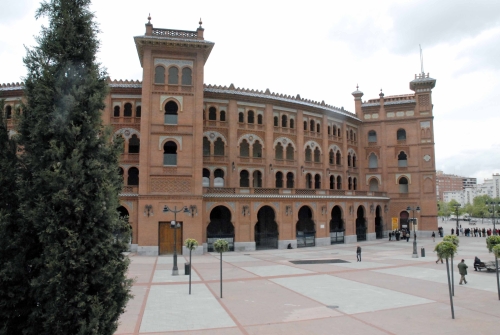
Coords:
pixel 418 209
pixel 172 224
pixel 166 209
pixel 408 208
pixel 186 210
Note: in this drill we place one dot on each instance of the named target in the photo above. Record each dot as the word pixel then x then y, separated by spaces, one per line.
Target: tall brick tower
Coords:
pixel 171 158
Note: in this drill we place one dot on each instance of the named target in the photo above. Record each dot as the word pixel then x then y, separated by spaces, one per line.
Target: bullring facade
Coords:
pixel 260 169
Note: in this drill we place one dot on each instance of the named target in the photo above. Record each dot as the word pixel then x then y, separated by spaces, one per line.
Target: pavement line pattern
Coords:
pixel 351 297
pixel 275 270
pixel 201 308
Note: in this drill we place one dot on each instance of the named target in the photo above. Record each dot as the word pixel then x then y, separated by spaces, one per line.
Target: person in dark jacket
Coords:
pixel 462 269
pixel 477 262
pixel 358 253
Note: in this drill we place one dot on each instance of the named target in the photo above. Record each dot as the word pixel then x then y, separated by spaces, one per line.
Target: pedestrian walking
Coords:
pixel 477 262
pixel 433 237
pixel 358 253
pixel 462 269
pixel 452 231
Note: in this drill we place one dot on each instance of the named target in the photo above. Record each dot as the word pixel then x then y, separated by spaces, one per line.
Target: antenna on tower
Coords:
pixel 421 60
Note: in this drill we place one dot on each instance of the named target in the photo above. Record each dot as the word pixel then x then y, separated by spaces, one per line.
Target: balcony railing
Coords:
pixel 287 191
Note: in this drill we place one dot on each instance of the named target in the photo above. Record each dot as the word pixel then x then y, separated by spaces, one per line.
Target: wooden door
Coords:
pixel 166 238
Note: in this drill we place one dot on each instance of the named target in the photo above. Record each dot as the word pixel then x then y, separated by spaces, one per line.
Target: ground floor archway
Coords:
pixel 361 224
pixel 220 227
pixel 337 229
pixel 266 229
pixel 305 228
pixel 379 224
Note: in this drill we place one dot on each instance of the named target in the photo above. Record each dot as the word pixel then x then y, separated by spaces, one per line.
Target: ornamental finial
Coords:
pixel 200 23
pixel 149 18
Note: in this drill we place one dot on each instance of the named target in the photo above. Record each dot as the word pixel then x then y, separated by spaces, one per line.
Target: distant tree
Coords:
pixel 69 235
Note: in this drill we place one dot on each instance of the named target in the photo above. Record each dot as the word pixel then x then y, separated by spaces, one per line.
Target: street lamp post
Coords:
pixel 493 203
pixel 457 206
pixel 174 224
pixel 414 221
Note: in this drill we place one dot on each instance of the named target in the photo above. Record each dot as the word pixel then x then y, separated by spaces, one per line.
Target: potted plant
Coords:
pixel 446 250
pixel 221 246
pixel 191 244
pixel 455 240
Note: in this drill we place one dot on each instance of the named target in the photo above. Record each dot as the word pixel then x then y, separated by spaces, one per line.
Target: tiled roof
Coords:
pixel 398 102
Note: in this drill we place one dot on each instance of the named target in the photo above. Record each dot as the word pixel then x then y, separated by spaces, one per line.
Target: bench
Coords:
pixel 489 266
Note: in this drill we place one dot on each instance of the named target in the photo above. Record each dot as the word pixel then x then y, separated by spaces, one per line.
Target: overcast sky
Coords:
pixel 321 50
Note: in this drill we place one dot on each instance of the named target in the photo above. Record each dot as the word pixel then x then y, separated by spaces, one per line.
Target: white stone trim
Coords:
pixel 178 98
pixel 213 135
pixel 284 142
pixel 164 138
pixel 169 62
pixel 128 132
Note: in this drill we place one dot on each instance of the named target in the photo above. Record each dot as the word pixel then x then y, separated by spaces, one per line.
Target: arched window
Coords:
pixel 284 121
pixel 401 134
pixel 308 154
pixel 186 76
pixel 317 155
pixel 331 157
pixel 206 147
pixel 259 119
pixel 8 111
pixel 134 145
pixel 173 75
pixel 349 183
pixel 276 121
pixel 241 117
pixel 348 159
pixel 257 178
pixel 308 180
pixel 116 111
pixel 223 115
pixel 372 161
pixel 339 182
pixel 374 185
pixel 250 117
pixel 353 161
pixel 219 178
pixel 329 130
pixel 257 149
pixel 206 178
pixel 289 180
pixel 311 125
pixel 279 151
pixel 334 132
pixel 133 176
pixel 244 181
pixel 338 158
pixel 218 147
pixel 289 152
pixel 317 181
pixel 127 110
pixel 338 132
pixel 354 184
pixel 244 149
pixel 305 125
pixel 292 123
pixel 170 153
pixel 138 111
pixel 212 114
pixel 354 137
pixel 159 75
pixel 402 160
pixel 403 185
pixel 332 182
pixel 171 109
pixel 279 179
pixel 318 128
pixel 372 136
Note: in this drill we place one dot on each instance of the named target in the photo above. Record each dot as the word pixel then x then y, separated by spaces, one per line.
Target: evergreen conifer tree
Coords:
pixel 69 226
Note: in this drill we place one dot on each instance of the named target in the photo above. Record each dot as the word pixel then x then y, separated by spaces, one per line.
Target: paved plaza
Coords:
pixel 389 292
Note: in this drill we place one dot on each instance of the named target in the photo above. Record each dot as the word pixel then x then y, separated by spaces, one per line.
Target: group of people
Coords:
pixel 462 268
pixel 476 232
pixel 397 235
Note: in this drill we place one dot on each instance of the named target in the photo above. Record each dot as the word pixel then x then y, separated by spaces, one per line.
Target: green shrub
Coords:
pixel 492 241
pixel 191 243
pixel 445 249
pixel 452 238
pixel 221 246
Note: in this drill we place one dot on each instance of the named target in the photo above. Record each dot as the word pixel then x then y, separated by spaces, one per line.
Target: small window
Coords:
pixel 116 111
pixel 138 111
pixel 186 76
pixel 349 183
pixel 353 161
pixel 127 110
pixel 332 182
pixel 402 160
pixel 372 161
pixel 171 109
pixel 279 180
pixel 206 178
pixel 173 75
pixel 401 134
pixel 159 75
pixel 373 185
pixel 331 157
pixel 317 181
pixel 250 117
pixel 223 115
pixel 284 121
pixel 311 125
pixel 170 153
pixel 372 136
pixel 212 114
pixel 289 180
pixel 257 179
pixel 317 155
pixel 305 125
pixel 338 158
pixel 403 185
pixel 292 123
pixel 308 180
pixel 134 145
pixel 308 154
pixel 289 152
pixel 8 112
pixel 244 149
pixel 206 147
pixel 241 117
pixel 244 180
pixel 133 176
pixel 348 159
pixel 276 121
pixel 259 119
pixel 218 147
pixel 318 128
pixel 219 178
pixel 334 130
pixel 257 149
pixel 354 184
pixel 329 130
pixel 339 182
pixel 279 151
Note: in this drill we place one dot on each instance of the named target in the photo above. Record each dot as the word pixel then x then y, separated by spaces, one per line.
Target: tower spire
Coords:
pixel 421 60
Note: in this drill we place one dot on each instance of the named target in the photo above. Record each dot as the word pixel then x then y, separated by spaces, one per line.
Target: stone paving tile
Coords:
pixel 275 270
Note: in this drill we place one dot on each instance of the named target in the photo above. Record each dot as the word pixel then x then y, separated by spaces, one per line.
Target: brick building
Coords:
pixel 450 182
pixel 261 169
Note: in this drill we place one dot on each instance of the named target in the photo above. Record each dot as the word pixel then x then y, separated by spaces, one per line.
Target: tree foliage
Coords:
pixel 445 249
pixel 492 241
pixel 191 243
pixel 69 236
pixel 453 239
pixel 221 246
